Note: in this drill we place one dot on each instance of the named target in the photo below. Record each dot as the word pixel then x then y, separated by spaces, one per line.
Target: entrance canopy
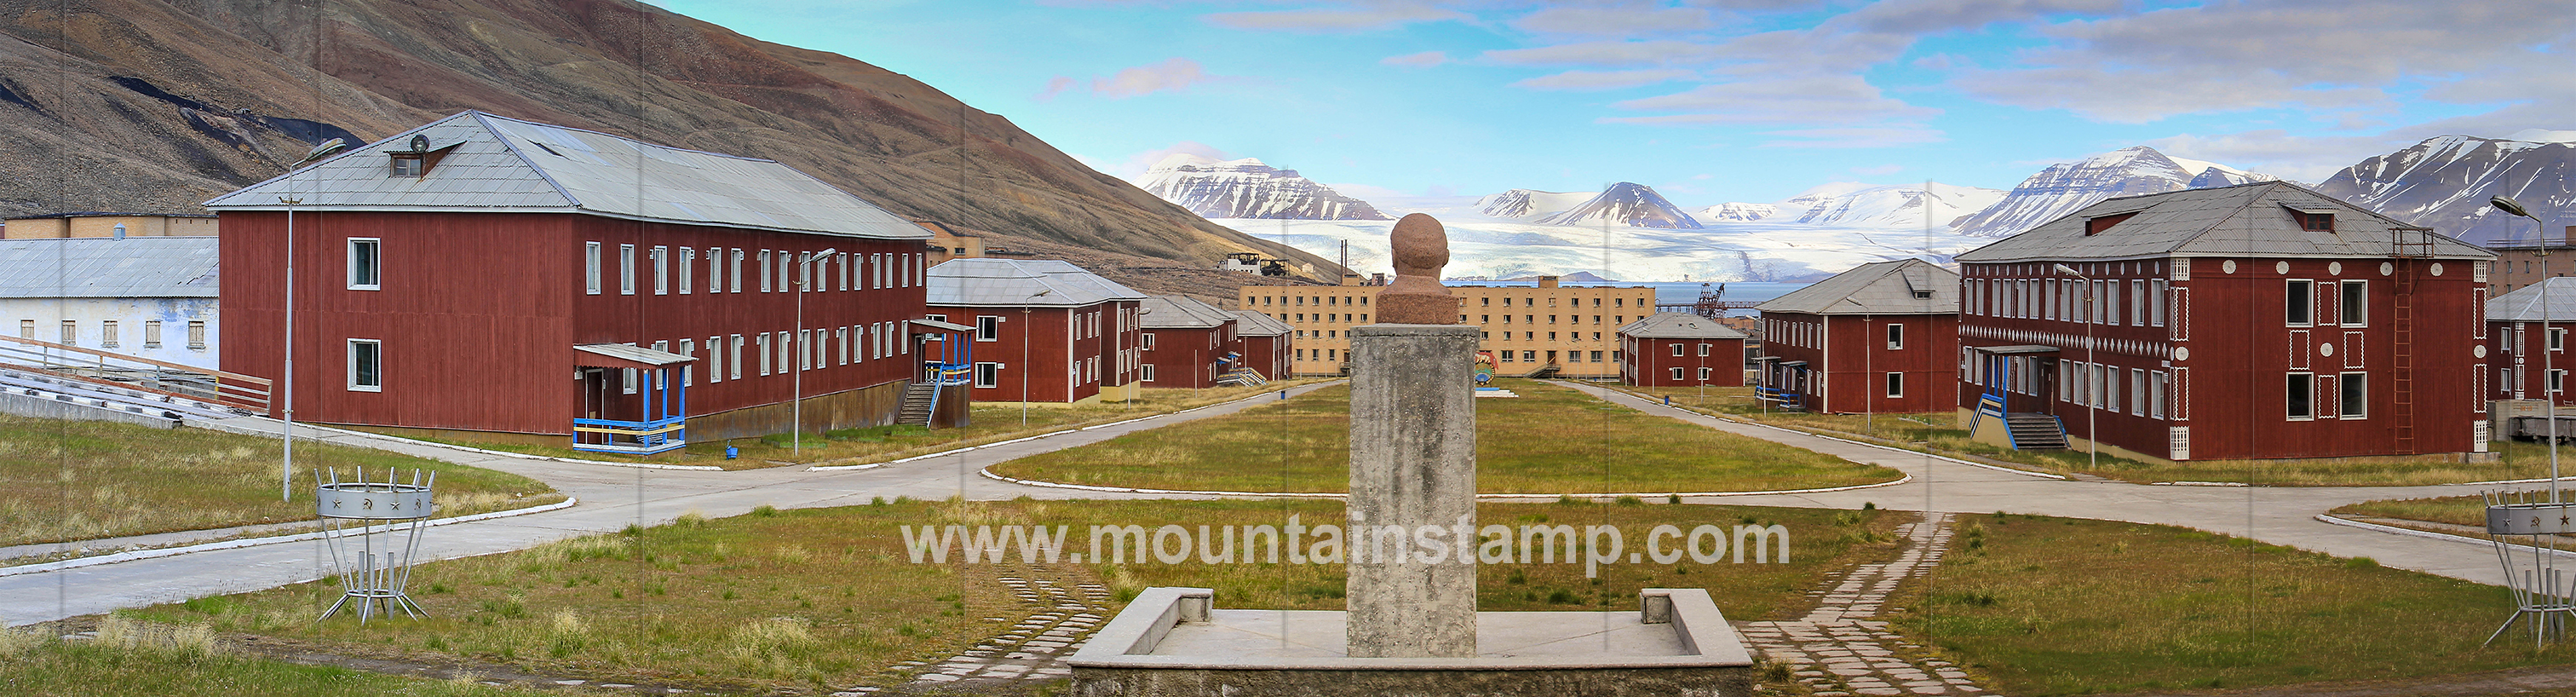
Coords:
pixel 624 356
pixel 2015 350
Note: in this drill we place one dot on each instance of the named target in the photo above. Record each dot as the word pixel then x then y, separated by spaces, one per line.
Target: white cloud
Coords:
pixel 1614 21
pixel 2139 96
pixel 1172 75
pixel 1610 54
pixel 1860 137
pixel 1819 99
pixel 2278 153
pixel 1364 16
pixel 1424 59
pixel 1877 170
pixel 1601 80
pixel 1135 165
pixel 1055 85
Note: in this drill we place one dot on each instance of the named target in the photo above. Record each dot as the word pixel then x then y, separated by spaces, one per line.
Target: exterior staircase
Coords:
pixel 1242 376
pixel 1545 371
pixel 2036 431
pixel 919 399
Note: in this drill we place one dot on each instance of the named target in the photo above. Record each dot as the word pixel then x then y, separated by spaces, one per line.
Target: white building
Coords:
pixel 149 297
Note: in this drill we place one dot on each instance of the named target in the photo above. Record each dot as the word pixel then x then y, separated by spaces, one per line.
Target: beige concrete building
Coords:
pixel 951 242
pixel 2521 263
pixel 108 225
pixel 1572 329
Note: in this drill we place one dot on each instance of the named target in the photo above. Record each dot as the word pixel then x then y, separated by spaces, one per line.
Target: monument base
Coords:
pixel 1172 642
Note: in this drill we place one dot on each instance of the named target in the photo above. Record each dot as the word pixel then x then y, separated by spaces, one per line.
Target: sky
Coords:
pixel 1710 101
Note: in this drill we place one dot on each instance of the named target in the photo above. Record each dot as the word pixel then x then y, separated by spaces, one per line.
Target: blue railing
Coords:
pixel 1786 398
pixel 631 437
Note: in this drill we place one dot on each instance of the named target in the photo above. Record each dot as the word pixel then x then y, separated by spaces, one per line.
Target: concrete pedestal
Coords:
pixel 1413 466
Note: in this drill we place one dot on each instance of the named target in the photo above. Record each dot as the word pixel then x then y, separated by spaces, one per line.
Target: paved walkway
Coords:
pixel 1839 648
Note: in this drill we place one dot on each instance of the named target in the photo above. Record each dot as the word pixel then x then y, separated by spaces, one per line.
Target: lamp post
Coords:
pixel 1026 375
pixel 286 429
pixel 2092 388
pixel 2549 391
pixel 804 352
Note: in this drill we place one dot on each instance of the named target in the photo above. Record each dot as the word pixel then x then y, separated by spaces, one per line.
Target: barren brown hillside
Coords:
pixel 155 106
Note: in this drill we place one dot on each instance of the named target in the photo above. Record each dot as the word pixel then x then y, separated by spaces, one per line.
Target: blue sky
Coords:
pixel 1711 100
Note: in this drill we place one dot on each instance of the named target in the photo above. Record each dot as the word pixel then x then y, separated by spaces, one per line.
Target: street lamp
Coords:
pixel 1026 374
pixel 2549 391
pixel 286 430
pixel 2092 388
pixel 804 352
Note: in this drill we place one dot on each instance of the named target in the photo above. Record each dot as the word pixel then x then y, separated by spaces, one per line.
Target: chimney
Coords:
pixel 1350 279
pixel 2568 236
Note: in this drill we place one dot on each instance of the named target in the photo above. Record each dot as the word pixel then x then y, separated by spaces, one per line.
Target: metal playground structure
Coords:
pixel 374 531
pixel 2523 527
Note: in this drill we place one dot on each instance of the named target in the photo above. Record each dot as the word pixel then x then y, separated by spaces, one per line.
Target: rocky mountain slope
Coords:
pixel 1529 203
pixel 1895 208
pixel 2444 183
pixel 154 106
pixel 1247 188
pixel 2067 186
pixel 1634 205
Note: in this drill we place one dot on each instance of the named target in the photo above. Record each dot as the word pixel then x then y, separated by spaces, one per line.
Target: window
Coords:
pixel 71 333
pixel 1677 349
pixel 783 347
pixel 366 365
pixel 2156 402
pixel 989 328
pixel 2355 393
pixel 625 269
pixel 406 164
pixel 661 257
pixel 1895 384
pixel 2157 304
pixel 735 273
pixel 688 347
pixel 366 266
pixel 715 269
pixel 804 349
pixel 734 362
pixel 715 359
pixel 2356 304
pixel 1895 337
pixel 688 257
pixel 197 334
pixel 590 267
pixel 26 329
pixel 2299 303
pixel 2137 303
pixel 2557 380
pixel 1509 357
pixel 1149 367
pixel 767 272
pixel 151 332
pixel 107 334
pixel 2301 395
pixel 1703 350
pixel 2137 392
pixel 2557 339
pixel 1529 356
pixel 2315 221
pixel 990 374
pixel 1703 375
pixel 1677 375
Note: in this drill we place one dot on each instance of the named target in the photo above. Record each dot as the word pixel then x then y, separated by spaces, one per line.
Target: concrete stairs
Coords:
pixel 1242 376
pixel 917 401
pixel 90 395
pixel 2036 431
pixel 1545 371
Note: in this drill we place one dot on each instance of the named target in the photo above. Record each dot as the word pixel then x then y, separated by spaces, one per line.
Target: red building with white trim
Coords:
pixel 1266 345
pixel 1877 338
pixel 1186 343
pixel 2260 320
pixel 2530 353
pixel 1680 349
pixel 500 278
pixel 1078 330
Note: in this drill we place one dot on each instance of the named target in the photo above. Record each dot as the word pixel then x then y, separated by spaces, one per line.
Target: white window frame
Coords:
pixel 1703 373
pixel 715 359
pixel 1676 373
pixel 733 363
pixel 688 260
pixel 760 345
pixel 1895 383
pixel 2306 309
pixel 625 269
pixel 373 271
pixel 2357 292
pixel 988 374
pixel 1895 337
pixel 2288 384
pixel 591 281
pixel 197 334
pixel 376 350
pixel 107 333
pixel 783 348
pixel 988 327
pixel 2346 382
pixel 767 272
pixel 152 333
pixel 1677 352
pixel 688 347
pixel 661 257
pixel 735 273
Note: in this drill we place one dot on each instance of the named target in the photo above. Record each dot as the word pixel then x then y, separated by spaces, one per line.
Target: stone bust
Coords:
pixel 1421 248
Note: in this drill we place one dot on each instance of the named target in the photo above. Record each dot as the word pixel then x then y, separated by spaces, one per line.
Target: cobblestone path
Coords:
pixel 1029 650
pixel 1840 650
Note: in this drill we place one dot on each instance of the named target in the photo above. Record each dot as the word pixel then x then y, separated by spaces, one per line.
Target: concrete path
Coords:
pixel 2278 515
pixel 1841 647
pixel 611 499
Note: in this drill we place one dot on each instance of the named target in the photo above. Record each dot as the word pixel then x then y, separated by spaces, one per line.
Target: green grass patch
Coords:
pixel 77 480
pixel 186 659
pixel 806 599
pixel 2047 606
pixel 1549 440
pixel 853 446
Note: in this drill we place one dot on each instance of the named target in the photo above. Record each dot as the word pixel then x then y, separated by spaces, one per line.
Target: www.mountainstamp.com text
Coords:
pixel 1296 543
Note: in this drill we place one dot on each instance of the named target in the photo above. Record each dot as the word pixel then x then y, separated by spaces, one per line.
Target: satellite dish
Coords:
pixel 419 142
pixel 326 149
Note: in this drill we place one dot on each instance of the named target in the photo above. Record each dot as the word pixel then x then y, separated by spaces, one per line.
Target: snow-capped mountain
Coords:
pixel 1625 203
pixel 2067 186
pixel 1247 188
pixel 1737 212
pixel 1900 207
pixel 1526 203
pixel 2444 183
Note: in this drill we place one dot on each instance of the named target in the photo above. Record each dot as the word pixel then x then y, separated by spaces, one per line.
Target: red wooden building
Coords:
pixel 1045 331
pixel 2529 353
pixel 2261 320
pixel 1680 349
pixel 1186 343
pixel 1266 345
pixel 485 276
pixel 1877 338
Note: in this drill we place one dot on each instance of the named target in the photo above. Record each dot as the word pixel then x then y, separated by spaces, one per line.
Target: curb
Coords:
pixel 2411 532
pixel 988 474
pixel 229 428
pixel 955 451
pixel 1889 448
pixel 157 553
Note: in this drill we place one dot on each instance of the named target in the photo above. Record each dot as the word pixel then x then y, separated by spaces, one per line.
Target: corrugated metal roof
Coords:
pixel 1182 312
pixel 85 267
pixel 2244 220
pixel 1678 325
pixel 1880 288
pixel 1249 323
pixel 2523 304
pixel 637 354
pixel 501 164
pixel 1014 283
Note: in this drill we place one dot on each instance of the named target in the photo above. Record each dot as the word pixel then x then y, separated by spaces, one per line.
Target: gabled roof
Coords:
pixel 501 164
pixel 1880 288
pixel 2254 219
pixel 102 267
pixel 1249 323
pixel 1182 312
pixel 2523 304
pixel 1015 282
pixel 1678 325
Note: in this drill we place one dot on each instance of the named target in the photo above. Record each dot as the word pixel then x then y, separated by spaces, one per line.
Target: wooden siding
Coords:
pixel 1648 362
pixel 1848 359
pixel 1187 357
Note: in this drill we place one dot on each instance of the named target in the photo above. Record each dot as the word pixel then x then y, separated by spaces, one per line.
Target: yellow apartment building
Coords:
pixel 1573 329
pixel 108 225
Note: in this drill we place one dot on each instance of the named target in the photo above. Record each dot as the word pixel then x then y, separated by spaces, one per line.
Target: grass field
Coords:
pixel 134 658
pixel 78 480
pixel 1550 440
pixel 2048 606
pixel 827 597
pixel 1940 433
pixel 988 424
